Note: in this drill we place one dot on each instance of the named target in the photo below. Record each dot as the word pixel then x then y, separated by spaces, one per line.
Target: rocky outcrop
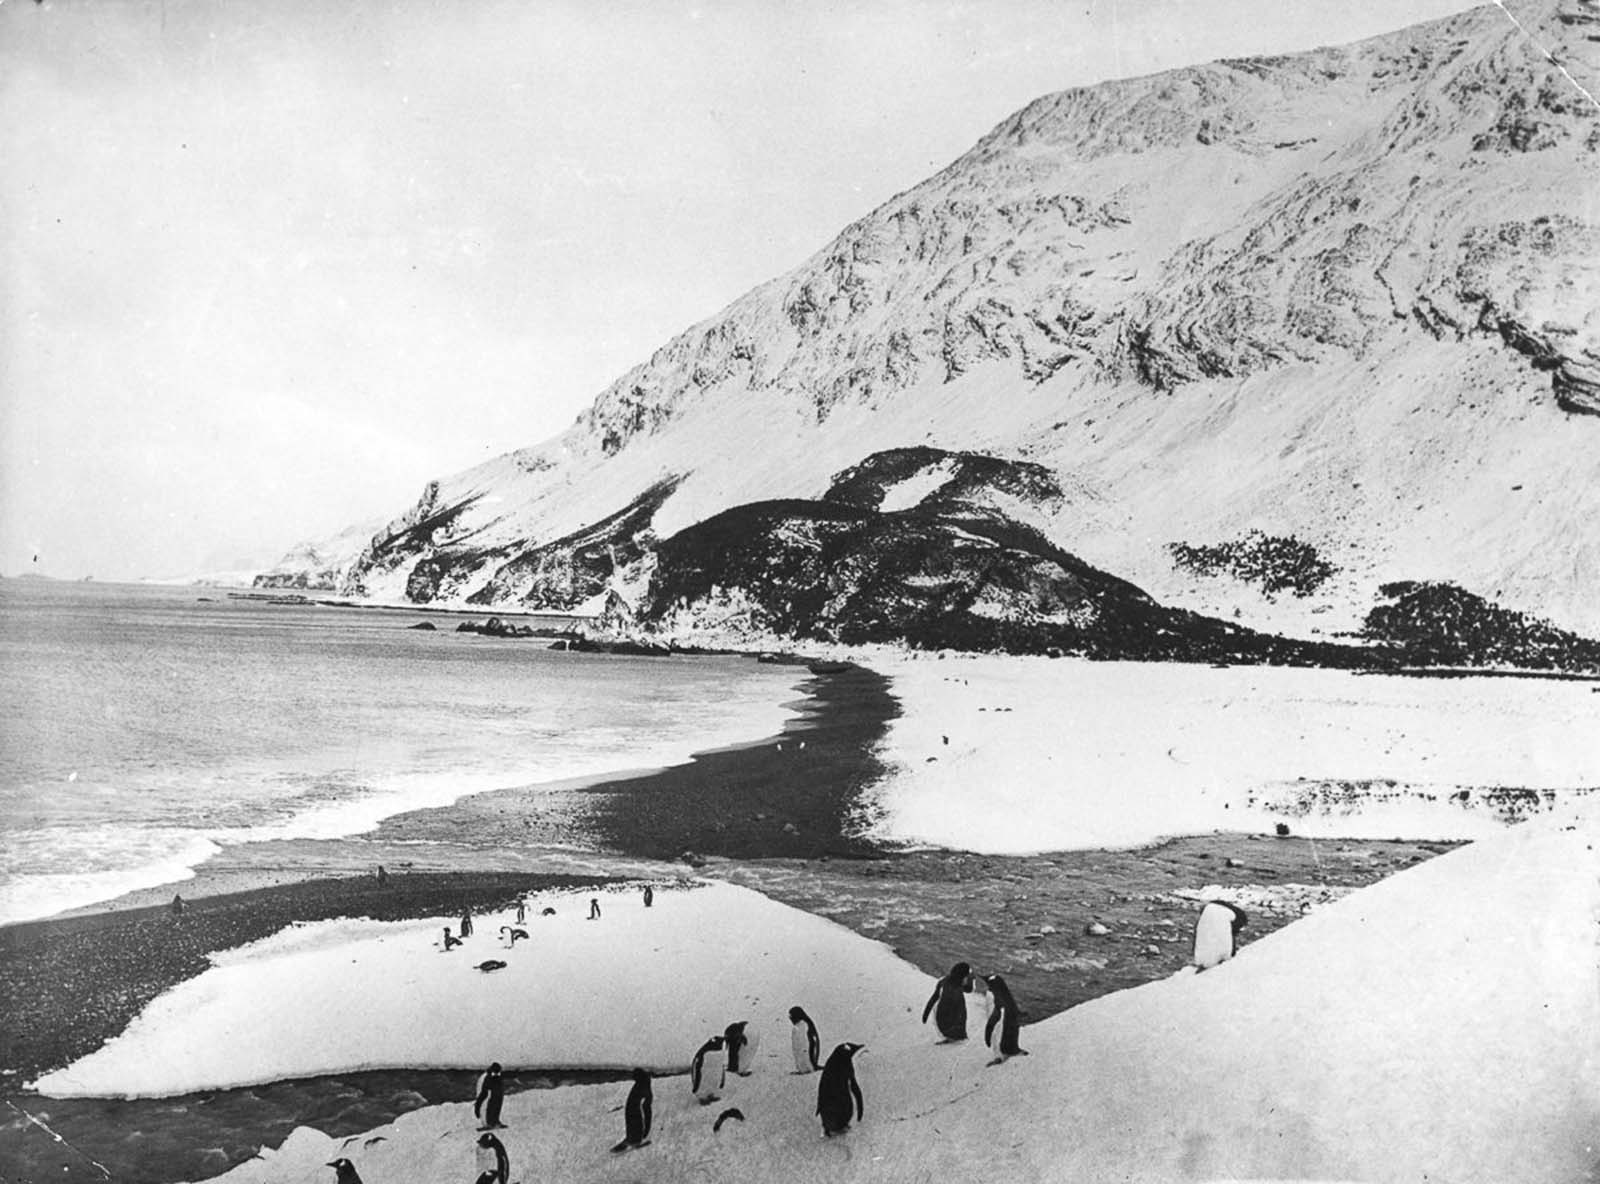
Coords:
pixel 433 525
pixel 1436 624
pixel 937 479
pixel 563 574
pixel 936 574
pixel 1271 563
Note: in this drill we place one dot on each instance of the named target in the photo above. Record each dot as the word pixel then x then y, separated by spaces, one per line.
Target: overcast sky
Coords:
pixel 267 267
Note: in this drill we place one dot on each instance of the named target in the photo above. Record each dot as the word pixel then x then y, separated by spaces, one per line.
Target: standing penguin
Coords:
pixel 741 1045
pixel 345 1171
pixel 838 1093
pixel 522 911
pixel 466 923
pixel 493 1161
pixel 951 1017
pixel 709 1071
pixel 636 1113
pixel 1216 933
pixel 649 896
pixel 491 1089
pixel 594 908
pixel 1000 1033
pixel 804 1040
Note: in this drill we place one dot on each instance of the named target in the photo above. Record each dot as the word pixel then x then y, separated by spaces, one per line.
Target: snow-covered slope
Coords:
pixel 319 563
pixel 1351 296
pixel 1440 1025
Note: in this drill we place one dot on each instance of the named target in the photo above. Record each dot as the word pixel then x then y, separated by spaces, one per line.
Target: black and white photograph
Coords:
pixel 832 592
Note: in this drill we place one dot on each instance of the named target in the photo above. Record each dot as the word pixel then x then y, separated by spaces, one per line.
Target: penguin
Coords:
pixel 732 1113
pixel 594 908
pixel 636 1113
pixel 177 906
pixel 512 936
pixel 345 1171
pixel 493 1161
pixel 450 943
pixel 383 876
pixel 1216 933
pixel 838 1090
pixel 1000 1033
pixel 522 912
pixel 547 912
pixel 466 924
pixel 491 1090
pixel 649 896
pixel 491 964
pixel 951 1018
pixel 803 1039
pixel 741 1045
pixel 709 1071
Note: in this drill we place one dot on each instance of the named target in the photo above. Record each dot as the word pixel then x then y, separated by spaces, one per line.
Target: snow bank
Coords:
pixel 1439 1025
pixel 636 987
pixel 1005 754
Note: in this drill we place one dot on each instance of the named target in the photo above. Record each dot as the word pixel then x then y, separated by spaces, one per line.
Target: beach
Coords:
pixel 789 822
pixel 68 984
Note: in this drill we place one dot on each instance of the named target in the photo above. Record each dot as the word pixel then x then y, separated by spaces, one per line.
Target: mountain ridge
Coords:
pixel 1238 296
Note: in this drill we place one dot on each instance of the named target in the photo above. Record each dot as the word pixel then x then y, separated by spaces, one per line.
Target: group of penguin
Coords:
pixel 512 934
pixel 733 1051
pixel 839 1100
pixel 948 1006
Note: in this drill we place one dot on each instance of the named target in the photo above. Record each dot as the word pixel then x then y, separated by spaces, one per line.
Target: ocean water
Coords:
pixel 142 728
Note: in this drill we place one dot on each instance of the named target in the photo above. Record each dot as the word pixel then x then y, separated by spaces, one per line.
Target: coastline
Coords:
pixel 769 815
pixel 68 984
pixel 71 981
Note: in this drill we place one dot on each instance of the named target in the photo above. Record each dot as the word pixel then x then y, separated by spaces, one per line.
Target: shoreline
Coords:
pixel 731 800
pixel 71 981
pixel 773 815
pixel 68 984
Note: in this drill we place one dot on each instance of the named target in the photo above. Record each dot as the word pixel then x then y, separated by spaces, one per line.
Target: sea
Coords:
pixel 144 728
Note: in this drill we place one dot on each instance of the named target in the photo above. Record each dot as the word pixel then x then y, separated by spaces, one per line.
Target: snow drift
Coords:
pixel 1440 1025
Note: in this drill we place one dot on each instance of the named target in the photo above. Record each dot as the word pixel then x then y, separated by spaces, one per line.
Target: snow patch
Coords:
pixel 636 987
pixel 913 490
pixel 1013 754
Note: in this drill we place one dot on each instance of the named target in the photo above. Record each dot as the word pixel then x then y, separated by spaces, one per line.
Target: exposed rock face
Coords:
pixel 1441 625
pixel 934 479
pixel 947 570
pixel 1350 297
pixel 565 573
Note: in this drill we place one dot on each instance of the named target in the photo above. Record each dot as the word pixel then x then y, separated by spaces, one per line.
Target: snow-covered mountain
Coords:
pixel 1345 303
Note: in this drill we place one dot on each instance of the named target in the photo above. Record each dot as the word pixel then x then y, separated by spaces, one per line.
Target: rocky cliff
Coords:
pixel 1349 297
